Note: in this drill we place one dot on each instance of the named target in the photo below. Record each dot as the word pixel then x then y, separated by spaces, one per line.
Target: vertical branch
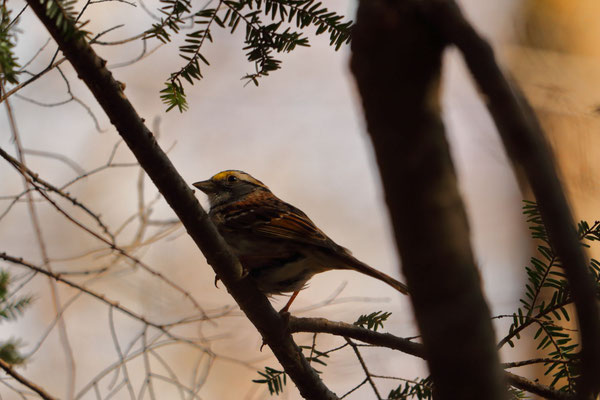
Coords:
pixel 115 339
pixel 525 142
pixel 147 368
pixel 396 61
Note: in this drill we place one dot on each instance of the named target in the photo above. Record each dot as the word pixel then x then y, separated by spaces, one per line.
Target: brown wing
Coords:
pixel 292 225
pixel 276 219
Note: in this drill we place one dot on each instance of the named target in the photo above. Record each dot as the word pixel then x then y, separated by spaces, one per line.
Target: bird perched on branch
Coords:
pixel 277 244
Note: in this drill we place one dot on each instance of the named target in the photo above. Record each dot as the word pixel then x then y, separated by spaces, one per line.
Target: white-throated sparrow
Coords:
pixel 276 243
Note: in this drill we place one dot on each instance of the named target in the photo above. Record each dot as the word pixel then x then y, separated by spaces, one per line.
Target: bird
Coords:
pixel 278 245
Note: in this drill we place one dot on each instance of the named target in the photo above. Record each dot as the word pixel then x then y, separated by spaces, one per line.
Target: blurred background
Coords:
pixel 302 133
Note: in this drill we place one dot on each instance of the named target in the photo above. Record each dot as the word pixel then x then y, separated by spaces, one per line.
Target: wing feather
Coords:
pixel 277 220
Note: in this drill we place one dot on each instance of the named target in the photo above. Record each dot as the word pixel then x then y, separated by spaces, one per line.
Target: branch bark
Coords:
pixel 322 325
pixel 526 144
pixel 108 92
pixel 396 60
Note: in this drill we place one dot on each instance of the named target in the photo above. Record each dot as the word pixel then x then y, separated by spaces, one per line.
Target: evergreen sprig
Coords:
pixel 271 27
pixel 587 232
pixel 310 12
pixel 516 394
pixel 10 309
pixel 273 378
pixel 372 321
pixel 9 352
pixel 421 389
pixel 8 61
pixel 173 10
pixel 315 356
pixel 545 275
pixel 65 18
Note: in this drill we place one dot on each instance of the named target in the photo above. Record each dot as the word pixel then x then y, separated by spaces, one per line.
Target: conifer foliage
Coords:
pixel 271 27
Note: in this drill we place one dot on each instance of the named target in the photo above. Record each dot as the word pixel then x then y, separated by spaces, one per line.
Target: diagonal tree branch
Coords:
pixel 109 93
pixel 526 144
pixel 396 60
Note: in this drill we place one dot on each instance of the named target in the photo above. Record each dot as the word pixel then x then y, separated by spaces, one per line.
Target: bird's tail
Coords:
pixel 353 263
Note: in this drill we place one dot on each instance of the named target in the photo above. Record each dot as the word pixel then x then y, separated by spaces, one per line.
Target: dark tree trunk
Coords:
pixel 396 61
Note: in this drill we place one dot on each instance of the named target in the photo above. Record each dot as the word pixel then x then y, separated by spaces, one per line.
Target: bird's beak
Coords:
pixel 206 186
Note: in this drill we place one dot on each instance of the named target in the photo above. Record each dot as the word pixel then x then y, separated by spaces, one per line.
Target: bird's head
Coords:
pixel 230 185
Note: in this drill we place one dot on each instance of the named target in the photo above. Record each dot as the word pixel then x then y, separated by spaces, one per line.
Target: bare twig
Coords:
pixel 523 363
pixel 113 334
pixel 364 367
pixel 34 178
pixel 100 297
pixel 34 78
pixel 11 372
pixel 355 388
pixel 60 157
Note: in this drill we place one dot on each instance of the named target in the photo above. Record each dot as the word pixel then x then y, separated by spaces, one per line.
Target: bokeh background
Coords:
pixel 302 133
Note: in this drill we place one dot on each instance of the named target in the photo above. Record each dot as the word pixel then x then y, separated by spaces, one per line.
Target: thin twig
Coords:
pixel 355 388
pixel 100 297
pixel 34 78
pixel 113 334
pixel 34 179
pixel 523 363
pixel 10 371
pixel 147 368
pixel 364 366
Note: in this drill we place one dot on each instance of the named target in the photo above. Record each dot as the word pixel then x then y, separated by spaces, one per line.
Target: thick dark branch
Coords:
pixel 108 92
pixel 396 61
pixel 526 144
pixel 322 325
pixel 11 372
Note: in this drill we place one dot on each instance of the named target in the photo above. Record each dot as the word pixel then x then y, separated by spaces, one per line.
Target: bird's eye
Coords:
pixel 232 178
